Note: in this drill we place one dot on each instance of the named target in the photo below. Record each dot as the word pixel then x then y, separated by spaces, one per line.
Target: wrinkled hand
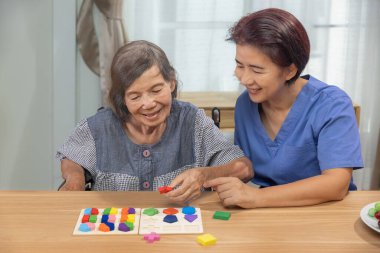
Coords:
pixel 188 185
pixel 233 192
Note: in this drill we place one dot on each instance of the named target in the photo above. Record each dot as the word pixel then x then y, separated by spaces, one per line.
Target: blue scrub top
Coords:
pixel 319 133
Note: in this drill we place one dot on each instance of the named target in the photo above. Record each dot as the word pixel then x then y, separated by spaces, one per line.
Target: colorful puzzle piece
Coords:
pixel 85 218
pixel 170 210
pixel 93 218
pixel 164 189
pixel 86 227
pixel 222 215
pixel 206 239
pixel 152 237
pixel 123 227
pixel 106 227
pixel 150 211
pixel 170 218
pixel 91 211
pixel 127 210
pixel 191 217
pixel 188 210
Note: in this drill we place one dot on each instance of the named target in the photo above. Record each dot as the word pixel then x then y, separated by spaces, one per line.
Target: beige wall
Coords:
pixel 37 90
pixel 25 94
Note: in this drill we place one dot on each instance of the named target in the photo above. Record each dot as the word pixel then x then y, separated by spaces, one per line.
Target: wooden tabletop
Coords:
pixel 43 221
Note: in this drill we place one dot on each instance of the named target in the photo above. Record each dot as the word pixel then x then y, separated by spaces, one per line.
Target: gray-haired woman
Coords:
pixel 147 138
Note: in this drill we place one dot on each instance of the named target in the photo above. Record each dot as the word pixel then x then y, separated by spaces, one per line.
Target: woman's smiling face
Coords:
pixel 149 99
pixel 263 79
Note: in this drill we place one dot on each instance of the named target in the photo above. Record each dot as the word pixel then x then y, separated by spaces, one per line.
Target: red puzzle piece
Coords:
pixel 165 189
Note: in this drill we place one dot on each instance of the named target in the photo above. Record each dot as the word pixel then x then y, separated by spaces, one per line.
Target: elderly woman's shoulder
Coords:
pixel 184 106
pixel 103 114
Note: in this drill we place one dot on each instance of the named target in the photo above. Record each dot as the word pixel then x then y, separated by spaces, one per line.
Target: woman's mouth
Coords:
pixel 151 116
pixel 254 91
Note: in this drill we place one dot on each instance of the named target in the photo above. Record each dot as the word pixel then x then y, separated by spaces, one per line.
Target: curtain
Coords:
pixel 98 50
pixel 352 62
pixel 363 84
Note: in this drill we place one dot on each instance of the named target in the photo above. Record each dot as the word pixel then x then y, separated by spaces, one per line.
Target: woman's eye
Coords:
pixel 156 91
pixel 256 71
pixel 134 98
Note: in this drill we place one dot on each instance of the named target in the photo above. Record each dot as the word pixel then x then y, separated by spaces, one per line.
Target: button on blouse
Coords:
pixel 146 153
pixel 146 185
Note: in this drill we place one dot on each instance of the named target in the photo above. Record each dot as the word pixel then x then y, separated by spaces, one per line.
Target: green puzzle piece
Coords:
pixel 150 211
pixel 222 215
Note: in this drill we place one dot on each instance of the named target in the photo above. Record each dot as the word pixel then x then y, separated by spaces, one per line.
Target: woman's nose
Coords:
pixel 148 102
pixel 246 78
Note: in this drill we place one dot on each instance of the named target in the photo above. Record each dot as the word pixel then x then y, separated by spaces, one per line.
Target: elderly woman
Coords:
pixel 148 138
pixel 300 133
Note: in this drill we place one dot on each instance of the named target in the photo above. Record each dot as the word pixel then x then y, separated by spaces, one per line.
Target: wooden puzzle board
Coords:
pixel 145 224
pixel 117 222
pixel 156 224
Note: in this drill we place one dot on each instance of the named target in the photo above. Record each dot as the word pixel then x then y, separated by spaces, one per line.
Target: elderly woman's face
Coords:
pixel 149 98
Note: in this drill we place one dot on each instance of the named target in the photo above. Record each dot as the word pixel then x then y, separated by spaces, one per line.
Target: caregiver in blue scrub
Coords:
pixel 299 132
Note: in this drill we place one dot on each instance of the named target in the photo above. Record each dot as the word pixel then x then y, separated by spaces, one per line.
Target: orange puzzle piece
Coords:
pixel 170 211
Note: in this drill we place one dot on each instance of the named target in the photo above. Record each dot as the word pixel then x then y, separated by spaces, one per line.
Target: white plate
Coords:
pixel 368 220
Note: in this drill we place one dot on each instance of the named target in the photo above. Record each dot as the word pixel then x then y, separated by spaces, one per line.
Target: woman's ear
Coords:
pixel 172 85
pixel 292 71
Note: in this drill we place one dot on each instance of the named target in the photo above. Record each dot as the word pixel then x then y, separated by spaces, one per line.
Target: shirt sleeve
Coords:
pixel 79 147
pixel 212 148
pixel 338 138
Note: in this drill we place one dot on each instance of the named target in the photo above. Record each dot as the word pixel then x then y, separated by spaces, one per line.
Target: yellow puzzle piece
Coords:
pixel 206 239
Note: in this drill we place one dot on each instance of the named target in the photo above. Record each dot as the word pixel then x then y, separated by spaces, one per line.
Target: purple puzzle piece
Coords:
pixel 191 217
pixel 123 227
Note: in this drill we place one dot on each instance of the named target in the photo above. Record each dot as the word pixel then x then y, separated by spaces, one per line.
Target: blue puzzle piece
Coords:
pixel 104 218
pixel 110 225
pixel 84 228
pixel 87 211
pixel 170 218
pixel 188 210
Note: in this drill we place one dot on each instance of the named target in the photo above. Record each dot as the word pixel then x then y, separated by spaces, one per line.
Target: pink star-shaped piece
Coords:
pixel 152 237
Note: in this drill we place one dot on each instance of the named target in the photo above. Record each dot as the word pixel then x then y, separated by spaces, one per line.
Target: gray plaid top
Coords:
pixel 101 146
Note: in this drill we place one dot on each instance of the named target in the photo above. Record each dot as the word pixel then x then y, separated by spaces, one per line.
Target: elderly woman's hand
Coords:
pixel 187 185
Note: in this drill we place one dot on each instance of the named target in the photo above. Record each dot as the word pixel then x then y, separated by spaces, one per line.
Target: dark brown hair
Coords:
pixel 279 35
pixel 129 63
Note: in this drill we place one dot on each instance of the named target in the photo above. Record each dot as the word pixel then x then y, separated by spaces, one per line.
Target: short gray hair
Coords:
pixel 129 63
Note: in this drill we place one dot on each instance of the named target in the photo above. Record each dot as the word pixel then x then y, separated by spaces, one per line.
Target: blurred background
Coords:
pixel 46 87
